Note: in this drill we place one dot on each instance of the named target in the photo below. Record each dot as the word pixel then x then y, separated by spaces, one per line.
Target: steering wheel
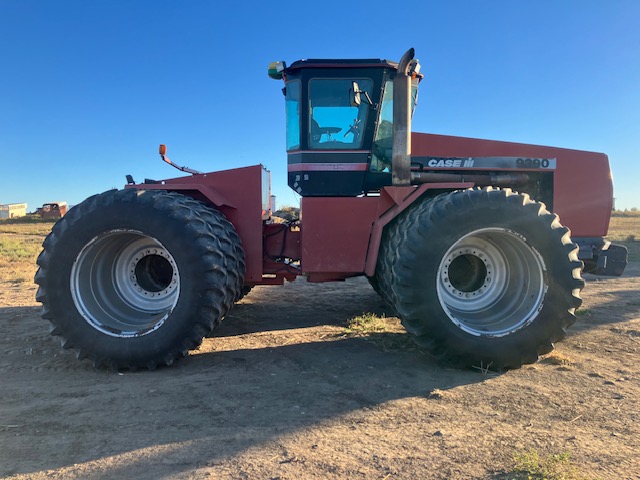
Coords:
pixel 355 129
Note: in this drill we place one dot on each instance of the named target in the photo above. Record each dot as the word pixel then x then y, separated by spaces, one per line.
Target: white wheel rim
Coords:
pixel 491 282
pixel 125 283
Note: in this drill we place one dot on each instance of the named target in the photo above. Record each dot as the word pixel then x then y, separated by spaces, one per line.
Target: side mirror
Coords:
pixel 354 95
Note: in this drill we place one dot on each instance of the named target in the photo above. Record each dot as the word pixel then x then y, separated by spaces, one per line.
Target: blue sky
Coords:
pixel 88 89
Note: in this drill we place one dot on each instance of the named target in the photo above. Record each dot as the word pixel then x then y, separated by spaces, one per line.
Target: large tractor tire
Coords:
pixel 135 279
pixel 235 256
pixel 483 278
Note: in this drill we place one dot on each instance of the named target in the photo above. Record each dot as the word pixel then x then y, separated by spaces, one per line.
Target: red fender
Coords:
pixel 393 201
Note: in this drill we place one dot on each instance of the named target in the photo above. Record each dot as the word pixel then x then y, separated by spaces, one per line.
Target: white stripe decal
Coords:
pixel 328 167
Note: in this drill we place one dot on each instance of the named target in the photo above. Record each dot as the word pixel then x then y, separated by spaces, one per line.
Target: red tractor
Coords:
pixel 478 273
pixel 52 211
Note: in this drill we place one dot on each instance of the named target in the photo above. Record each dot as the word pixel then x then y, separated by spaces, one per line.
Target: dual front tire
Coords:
pixel 483 277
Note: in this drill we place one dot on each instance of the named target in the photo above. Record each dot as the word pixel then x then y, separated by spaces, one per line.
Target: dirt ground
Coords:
pixel 282 392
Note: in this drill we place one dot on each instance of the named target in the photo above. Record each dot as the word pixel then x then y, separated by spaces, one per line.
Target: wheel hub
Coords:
pixel 125 283
pixel 467 273
pixel 491 282
pixel 150 274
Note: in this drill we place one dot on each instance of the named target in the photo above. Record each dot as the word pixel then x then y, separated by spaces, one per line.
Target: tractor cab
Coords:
pixel 339 124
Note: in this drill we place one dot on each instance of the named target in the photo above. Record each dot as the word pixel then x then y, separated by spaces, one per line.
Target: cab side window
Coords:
pixel 292 106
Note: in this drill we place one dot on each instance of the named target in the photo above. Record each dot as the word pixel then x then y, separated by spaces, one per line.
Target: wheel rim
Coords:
pixel 491 282
pixel 125 283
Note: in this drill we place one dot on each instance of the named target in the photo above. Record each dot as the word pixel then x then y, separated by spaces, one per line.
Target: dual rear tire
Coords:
pixel 135 279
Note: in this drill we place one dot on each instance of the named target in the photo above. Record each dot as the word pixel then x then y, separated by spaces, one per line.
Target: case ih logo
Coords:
pixel 450 162
pixel 493 163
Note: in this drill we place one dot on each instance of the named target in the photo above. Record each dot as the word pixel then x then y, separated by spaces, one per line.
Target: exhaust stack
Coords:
pixel 408 68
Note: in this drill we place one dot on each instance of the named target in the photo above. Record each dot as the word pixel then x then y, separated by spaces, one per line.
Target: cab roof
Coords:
pixel 342 63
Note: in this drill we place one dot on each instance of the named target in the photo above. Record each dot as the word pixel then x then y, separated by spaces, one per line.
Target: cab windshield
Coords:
pixel 383 140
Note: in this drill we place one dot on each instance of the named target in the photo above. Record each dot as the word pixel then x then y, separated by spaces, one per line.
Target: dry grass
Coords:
pixel 26 227
pixel 438 394
pixel 624 227
pixel 531 465
pixel 35 230
pixel 626 213
pixel 20 245
pixel 386 333
pixel 368 323
pixel 558 358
